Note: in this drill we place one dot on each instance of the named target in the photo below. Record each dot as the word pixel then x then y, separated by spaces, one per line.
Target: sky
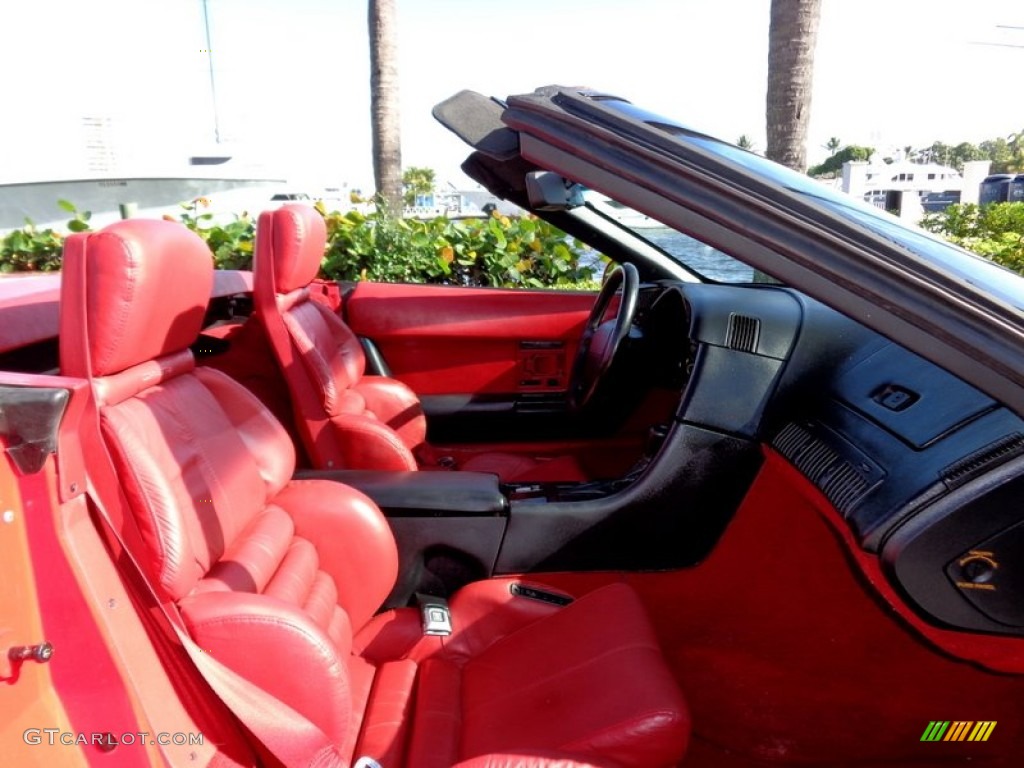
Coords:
pixel 292 77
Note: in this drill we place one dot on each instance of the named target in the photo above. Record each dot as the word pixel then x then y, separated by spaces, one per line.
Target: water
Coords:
pixel 703 260
pixel 706 261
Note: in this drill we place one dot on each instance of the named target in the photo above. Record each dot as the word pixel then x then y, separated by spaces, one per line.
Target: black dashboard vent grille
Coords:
pixel 982 460
pixel 790 440
pixel 836 477
pixel 844 487
pixel 742 332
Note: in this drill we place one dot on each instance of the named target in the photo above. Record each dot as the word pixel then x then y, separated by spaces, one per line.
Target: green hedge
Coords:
pixel 994 231
pixel 516 251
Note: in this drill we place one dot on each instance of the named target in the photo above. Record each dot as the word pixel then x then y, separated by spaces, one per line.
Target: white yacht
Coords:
pixel 103 188
pixel 623 214
pixel 912 189
pixel 936 186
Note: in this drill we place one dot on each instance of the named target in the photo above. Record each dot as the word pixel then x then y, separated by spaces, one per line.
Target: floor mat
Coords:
pixel 787 655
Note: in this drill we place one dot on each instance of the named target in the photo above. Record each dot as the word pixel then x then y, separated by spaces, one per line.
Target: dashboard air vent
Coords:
pixel 742 332
pixel 837 478
pixel 982 460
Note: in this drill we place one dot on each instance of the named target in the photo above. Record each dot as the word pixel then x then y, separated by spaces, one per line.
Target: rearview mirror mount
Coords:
pixel 548 191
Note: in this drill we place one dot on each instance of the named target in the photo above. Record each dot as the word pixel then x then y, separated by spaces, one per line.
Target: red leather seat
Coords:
pixel 280 579
pixel 347 419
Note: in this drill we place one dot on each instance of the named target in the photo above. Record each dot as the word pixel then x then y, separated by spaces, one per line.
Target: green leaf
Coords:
pixel 68 206
pixel 77 226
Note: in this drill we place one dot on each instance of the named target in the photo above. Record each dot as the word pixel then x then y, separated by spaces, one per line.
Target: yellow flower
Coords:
pixel 448 254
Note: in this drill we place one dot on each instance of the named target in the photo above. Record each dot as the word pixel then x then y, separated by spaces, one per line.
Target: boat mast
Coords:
pixel 213 80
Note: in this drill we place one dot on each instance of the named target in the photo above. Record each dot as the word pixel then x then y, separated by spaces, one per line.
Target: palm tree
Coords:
pixel 792 35
pixel 417 182
pixel 1015 143
pixel 833 145
pixel 384 104
pixel 745 142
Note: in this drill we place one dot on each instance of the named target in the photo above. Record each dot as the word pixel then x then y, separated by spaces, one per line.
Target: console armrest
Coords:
pixel 433 494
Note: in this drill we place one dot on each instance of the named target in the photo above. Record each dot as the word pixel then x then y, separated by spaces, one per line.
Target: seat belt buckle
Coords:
pixel 434 615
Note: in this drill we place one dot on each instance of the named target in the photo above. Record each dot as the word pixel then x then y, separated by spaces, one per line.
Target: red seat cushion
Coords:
pixel 586 680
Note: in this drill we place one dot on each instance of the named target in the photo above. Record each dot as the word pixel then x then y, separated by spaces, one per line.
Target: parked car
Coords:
pixel 754 504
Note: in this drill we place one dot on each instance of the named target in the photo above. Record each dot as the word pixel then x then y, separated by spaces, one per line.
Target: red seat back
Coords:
pixel 320 358
pixel 261 567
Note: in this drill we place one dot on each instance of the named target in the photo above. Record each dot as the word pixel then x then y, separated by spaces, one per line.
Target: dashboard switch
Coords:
pixel 978 567
pixel 895 397
pixel 991 576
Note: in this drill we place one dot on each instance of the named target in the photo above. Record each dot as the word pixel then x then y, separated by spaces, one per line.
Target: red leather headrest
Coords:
pixel 290 241
pixel 135 291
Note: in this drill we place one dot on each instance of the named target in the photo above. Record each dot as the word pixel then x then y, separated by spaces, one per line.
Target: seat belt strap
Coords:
pixel 287 735
pixel 290 737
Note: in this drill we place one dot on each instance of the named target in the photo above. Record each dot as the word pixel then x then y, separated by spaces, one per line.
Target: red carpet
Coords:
pixel 787 654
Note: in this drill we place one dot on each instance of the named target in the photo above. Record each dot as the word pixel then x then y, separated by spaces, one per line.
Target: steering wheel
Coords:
pixel 601 340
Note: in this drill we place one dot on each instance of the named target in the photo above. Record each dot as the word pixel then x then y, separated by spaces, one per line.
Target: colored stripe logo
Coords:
pixel 958 730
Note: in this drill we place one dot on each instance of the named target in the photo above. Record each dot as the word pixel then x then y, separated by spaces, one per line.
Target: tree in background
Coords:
pixel 953 155
pixel 416 182
pixel 1016 142
pixel 1005 154
pixel 999 152
pixel 833 145
pixel 833 166
pixel 792 35
pixel 745 142
pixel 384 104
pixel 994 231
pixel 1014 162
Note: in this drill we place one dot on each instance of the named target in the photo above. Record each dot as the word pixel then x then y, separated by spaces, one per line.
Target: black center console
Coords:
pixel 448 525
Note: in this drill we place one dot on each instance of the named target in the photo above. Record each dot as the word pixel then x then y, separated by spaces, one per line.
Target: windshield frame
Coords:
pixel 969 267
pixel 888 282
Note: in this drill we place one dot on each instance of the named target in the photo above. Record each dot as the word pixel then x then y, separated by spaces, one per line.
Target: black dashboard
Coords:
pixel 926 470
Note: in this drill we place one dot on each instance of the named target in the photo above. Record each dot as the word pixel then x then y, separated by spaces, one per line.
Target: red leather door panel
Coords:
pixel 452 340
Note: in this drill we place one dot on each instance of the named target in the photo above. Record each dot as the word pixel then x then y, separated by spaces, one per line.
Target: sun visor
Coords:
pixel 476 119
pixel 504 179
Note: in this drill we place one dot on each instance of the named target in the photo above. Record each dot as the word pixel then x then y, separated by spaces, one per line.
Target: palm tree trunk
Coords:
pixel 791 39
pixel 384 103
